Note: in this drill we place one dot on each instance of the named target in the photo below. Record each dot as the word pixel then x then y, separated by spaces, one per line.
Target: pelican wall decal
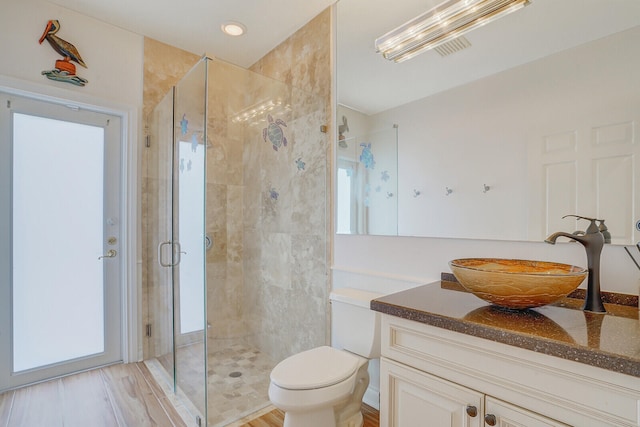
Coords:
pixel 64 71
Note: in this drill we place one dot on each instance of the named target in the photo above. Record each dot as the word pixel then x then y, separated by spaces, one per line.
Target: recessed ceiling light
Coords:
pixel 233 28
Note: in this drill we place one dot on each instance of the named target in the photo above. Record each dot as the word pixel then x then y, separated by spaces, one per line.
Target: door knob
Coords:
pixel 111 253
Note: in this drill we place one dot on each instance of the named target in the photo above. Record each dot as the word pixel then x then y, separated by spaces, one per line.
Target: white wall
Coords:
pixel 114 57
pixel 422 259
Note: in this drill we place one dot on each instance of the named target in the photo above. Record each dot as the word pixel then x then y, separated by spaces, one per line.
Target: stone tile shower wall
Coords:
pixel 224 192
pixel 284 228
pixel 287 199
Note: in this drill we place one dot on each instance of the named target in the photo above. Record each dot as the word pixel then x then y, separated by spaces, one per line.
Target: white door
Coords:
pixel 60 264
pixel 588 169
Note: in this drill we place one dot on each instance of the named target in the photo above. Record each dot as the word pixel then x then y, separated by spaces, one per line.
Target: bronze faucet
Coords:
pixel 593 242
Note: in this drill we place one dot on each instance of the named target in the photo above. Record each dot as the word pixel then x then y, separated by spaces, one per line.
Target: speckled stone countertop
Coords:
pixel 610 341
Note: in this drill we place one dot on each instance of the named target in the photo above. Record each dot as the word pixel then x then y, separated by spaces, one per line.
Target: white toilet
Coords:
pixel 324 386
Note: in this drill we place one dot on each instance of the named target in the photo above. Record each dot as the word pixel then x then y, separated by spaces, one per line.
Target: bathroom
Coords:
pixel 383 263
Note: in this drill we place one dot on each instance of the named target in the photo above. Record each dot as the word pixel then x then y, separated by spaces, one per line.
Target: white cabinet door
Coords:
pixel 417 399
pixel 503 414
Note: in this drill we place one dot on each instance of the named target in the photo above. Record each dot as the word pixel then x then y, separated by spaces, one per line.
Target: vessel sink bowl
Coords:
pixel 517 283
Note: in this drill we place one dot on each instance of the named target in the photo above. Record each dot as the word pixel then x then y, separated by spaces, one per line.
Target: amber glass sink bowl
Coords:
pixel 516 283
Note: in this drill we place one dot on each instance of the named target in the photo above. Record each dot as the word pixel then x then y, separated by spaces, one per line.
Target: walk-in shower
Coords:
pixel 234 235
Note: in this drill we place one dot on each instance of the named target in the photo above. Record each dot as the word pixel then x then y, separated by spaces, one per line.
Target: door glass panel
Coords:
pixel 191 220
pixel 157 228
pixel 57 282
pixel 188 232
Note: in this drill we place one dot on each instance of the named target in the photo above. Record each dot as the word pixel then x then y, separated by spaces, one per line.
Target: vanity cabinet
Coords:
pixel 417 399
pixel 430 376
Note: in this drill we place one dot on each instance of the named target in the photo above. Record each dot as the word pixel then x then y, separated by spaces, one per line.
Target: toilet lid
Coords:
pixel 315 368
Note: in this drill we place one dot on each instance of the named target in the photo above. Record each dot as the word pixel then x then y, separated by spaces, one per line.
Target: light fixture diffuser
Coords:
pixel 233 28
pixel 441 24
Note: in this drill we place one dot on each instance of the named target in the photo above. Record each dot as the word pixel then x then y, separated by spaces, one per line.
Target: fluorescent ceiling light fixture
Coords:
pixel 441 24
pixel 233 28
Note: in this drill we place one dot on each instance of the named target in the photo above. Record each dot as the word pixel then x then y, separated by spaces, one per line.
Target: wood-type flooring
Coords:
pixel 275 418
pixel 124 395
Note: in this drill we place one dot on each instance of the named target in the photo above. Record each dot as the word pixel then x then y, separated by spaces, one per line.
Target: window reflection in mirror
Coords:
pixel 367 176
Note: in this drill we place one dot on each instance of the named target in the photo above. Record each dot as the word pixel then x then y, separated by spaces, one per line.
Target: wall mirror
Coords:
pixel 497 135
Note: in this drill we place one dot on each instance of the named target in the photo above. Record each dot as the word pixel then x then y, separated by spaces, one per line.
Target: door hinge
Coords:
pixel 198 421
pixel 8 103
pixel 148 330
pixel 148 141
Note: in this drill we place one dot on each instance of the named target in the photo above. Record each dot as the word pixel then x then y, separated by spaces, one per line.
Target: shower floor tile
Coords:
pixel 238 379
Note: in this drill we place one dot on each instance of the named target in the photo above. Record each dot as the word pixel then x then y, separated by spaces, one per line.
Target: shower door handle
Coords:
pixel 160 246
pixel 177 249
pixel 178 252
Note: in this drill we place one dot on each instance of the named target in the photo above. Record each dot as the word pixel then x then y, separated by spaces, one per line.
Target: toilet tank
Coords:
pixel 355 327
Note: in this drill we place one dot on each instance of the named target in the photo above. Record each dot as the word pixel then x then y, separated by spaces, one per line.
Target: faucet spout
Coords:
pixel 593 242
pixel 553 237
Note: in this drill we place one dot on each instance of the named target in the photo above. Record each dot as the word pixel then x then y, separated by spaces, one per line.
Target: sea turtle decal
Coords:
pixel 366 157
pixel 274 132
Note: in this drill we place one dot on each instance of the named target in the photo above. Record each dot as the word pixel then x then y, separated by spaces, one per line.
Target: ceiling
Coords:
pixel 366 81
pixel 194 25
pixel 371 84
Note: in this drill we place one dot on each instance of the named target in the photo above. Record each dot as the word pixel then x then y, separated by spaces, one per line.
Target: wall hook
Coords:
pixel 416 193
pixel 448 190
pixel 486 188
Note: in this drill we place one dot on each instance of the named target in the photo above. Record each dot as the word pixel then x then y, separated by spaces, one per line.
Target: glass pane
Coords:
pixel 188 230
pixel 57 217
pixel 156 224
pixel 191 220
pixel 344 213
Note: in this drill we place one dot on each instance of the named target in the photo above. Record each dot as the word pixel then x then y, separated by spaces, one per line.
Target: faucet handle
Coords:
pixel 593 228
pixel 604 230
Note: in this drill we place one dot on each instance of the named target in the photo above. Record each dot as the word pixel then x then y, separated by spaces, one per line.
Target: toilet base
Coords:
pixel 349 414
pixel 320 418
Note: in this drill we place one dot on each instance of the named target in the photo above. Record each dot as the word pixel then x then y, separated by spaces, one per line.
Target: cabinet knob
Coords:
pixel 472 411
pixel 490 419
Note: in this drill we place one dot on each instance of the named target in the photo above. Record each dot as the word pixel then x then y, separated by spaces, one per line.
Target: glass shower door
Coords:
pixel 158 221
pixel 175 240
pixel 189 282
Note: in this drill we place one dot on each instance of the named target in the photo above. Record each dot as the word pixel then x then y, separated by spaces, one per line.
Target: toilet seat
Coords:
pixel 313 369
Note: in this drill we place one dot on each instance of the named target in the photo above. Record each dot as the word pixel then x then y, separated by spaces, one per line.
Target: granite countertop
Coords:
pixel 610 341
